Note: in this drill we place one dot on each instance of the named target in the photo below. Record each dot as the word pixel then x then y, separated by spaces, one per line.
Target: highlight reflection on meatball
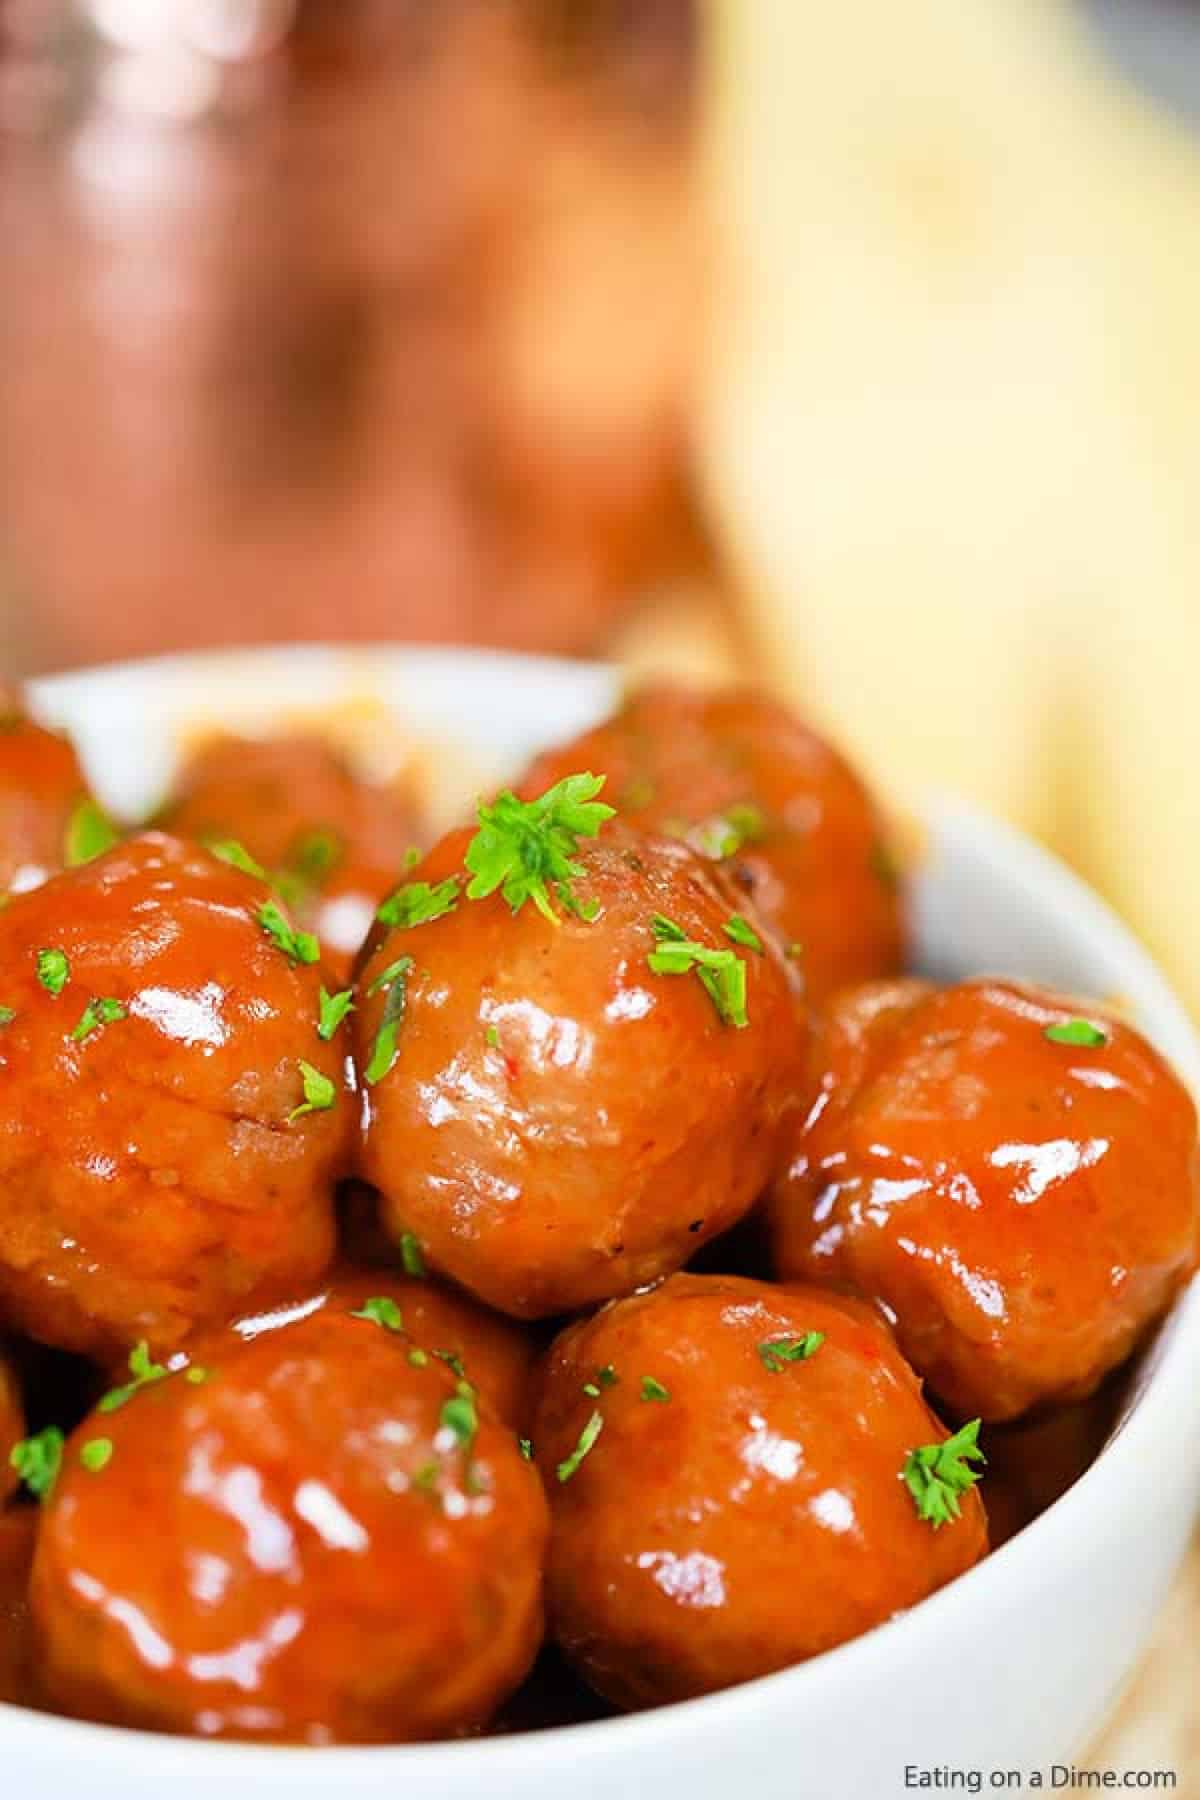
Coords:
pixel 732 1485
pixel 335 842
pixel 305 1538
pixel 1018 1184
pixel 171 1124
pixel 48 818
pixel 746 782
pixel 559 1108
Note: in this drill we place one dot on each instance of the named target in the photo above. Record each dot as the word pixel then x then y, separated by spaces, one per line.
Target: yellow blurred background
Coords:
pixel 853 344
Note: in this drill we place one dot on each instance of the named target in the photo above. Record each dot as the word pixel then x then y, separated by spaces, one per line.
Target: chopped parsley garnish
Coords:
pixel 297 946
pixel 410 1255
pixel 722 973
pixel 38 1459
pixel 654 1390
pixel 586 1443
pixel 603 1378
pixel 742 932
pixel 334 1008
pixel 453 1361
pixel 96 1454
pixel 1079 1032
pixel 727 832
pixel 936 1474
pixel 97 1014
pixel 196 1375
pixel 381 1310
pixel 7 1015
pixel 316 854
pixel 319 1092
pixel 228 850
pixel 525 1446
pixel 393 980
pixel 426 1477
pixel 417 1357
pixel 492 1038
pixel 417 903
pixel 53 971
pixel 526 848
pixel 90 832
pixel 459 1416
pixel 776 1353
pixel 144 1371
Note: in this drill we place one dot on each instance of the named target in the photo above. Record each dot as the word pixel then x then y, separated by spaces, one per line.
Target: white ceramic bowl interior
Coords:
pixel 1010 1668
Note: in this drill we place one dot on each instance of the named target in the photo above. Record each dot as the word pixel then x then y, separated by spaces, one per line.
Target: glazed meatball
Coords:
pixel 171 1124
pixel 1019 1185
pixel 744 781
pixel 336 844
pixel 48 818
pixel 12 1424
pixel 726 1463
pixel 307 1538
pixel 550 1117
pixel 495 1354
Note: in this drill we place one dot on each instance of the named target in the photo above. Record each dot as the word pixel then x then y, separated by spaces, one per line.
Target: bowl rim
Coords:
pixel 1062 1532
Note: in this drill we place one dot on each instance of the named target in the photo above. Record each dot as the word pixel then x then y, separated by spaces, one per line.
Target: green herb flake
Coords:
pixel 1080 1033
pixel 410 1255
pixel 492 1038
pixel 90 832
pixel 740 931
pixel 654 1390
pixel 776 1353
pixel 316 854
pixel 228 850
pixel 334 1008
pixel 381 1310
pixel 937 1474
pixel 145 1373
pixel 586 1444
pixel 526 848
pixel 603 1378
pixel 96 1015
pixel 418 1358
pixel 96 1454
pixel 459 1416
pixel 453 1361
pixel 525 1446
pixel 53 971
pixel 319 1092
pixel 7 1015
pixel 297 946
pixel 722 973
pixel 394 980
pixel 417 903
pixel 37 1461
pixel 196 1375
pixel 426 1477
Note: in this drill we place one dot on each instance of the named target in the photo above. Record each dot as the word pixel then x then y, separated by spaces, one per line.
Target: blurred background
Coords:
pixel 854 346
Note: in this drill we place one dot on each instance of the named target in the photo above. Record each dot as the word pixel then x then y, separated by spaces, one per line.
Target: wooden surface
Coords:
pixel 1157 1723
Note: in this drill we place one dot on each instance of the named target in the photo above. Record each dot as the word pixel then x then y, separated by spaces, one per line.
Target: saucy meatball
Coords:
pixel 495 1354
pixel 335 844
pixel 171 1123
pixel 559 1108
pixel 48 818
pixel 744 781
pixel 1017 1184
pixel 305 1538
pixel 734 1482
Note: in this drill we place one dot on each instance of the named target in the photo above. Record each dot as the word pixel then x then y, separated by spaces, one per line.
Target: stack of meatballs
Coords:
pixel 575 1243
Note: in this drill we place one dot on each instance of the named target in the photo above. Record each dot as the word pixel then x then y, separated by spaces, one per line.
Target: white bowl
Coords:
pixel 1010 1668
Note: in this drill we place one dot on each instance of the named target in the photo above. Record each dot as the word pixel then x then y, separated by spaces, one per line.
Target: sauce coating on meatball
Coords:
pixel 335 843
pixel 741 1504
pixel 743 780
pixel 1017 1183
pixel 560 1108
pixel 171 1123
pixel 306 1538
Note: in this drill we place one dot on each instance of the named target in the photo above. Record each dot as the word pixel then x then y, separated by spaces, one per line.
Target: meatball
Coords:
pixel 744 781
pixel 12 1424
pixel 495 1354
pixel 171 1124
pixel 734 1486
pixel 548 1116
pixel 1019 1185
pixel 48 819
pixel 307 1538
pixel 336 844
